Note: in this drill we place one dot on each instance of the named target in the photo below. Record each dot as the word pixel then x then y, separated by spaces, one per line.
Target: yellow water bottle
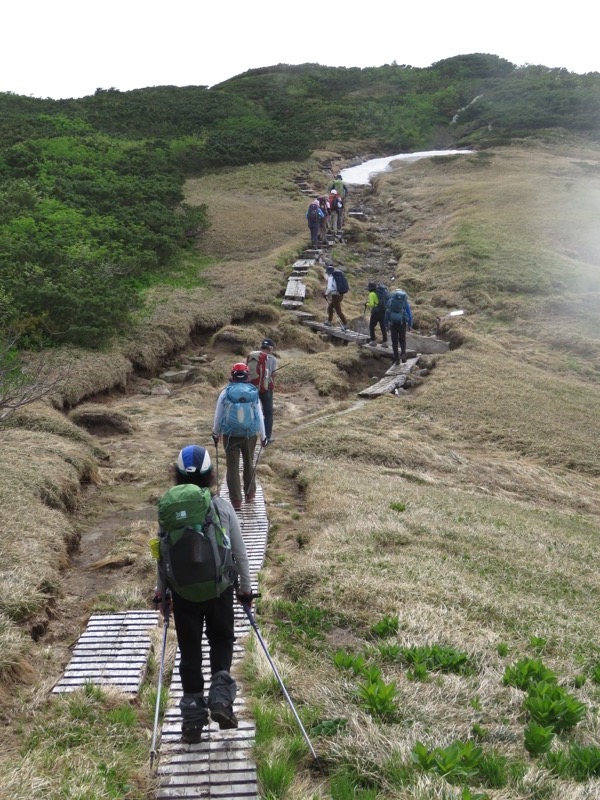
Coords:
pixel 155 548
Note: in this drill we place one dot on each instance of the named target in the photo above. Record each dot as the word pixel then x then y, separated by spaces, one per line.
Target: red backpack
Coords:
pixel 259 372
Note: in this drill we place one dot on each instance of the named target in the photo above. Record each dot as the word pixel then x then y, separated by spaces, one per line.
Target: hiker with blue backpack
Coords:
pixel 376 303
pixel 337 287
pixel 398 317
pixel 239 419
pixel 314 217
pixel 202 563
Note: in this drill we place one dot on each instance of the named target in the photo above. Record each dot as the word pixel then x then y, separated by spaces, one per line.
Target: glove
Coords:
pixel 215 438
pixel 264 442
pixel 165 603
pixel 245 599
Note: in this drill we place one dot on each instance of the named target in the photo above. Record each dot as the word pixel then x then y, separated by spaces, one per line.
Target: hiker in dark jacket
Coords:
pixel 377 315
pixel 238 439
pixel 193 466
pixel 314 216
pixel 398 317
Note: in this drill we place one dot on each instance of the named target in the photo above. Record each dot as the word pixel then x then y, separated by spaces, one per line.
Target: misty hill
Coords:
pixel 91 199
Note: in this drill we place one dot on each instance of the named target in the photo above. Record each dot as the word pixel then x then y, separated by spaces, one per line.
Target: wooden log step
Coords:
pixel 394 378
pixel 292 304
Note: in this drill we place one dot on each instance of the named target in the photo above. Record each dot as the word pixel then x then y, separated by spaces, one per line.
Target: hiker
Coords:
pixel 201 589
pixel 262 365
pixel 338 184
pixel 324 225
pixel 398 317
pixel 336 206
pixel 238 419
pixel 376 303
pixel 334 294
pixel 314 215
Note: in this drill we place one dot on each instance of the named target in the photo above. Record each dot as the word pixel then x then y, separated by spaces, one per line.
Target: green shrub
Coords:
pixel 379 698
pixel 388 626
pixel 551 706
pixel 538 739
pixel 526 673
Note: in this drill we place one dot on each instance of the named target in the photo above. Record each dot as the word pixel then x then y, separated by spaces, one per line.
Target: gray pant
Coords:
pixel 234 445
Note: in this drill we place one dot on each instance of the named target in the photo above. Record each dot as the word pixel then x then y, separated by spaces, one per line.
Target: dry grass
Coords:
pixel 494 459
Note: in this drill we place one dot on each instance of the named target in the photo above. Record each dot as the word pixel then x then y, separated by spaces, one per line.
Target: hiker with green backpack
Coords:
pixel 398 317
pixel 202 563
pixel 239 420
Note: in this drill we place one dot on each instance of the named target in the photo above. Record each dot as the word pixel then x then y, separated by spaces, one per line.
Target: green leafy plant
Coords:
pixel 344 660
pixel 538 738
pixel 502 649
pixel 388 626
pixel 578 763
pixel 398 506
pixel 538 643
pixel 551 706
pixel 379 698
pixel 329 727
pixel 527 672
pixel 457 762
pixel 595 673
pixel 438 658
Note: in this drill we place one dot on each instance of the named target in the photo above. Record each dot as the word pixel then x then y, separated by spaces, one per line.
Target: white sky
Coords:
pixel 69 48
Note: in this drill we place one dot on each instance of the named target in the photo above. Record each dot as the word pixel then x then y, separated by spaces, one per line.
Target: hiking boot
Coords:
pixel 250 498
pixel 344 327
pixel 395 363
pixel 224 716
pixel 191 732
pixel 237 504
pixel 372 342
pixel 327 324
pixel 404 359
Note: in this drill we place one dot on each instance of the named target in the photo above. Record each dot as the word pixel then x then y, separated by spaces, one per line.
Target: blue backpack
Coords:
pixel 382 295
pixel 341 281
pixel 397 307
pixel 240 410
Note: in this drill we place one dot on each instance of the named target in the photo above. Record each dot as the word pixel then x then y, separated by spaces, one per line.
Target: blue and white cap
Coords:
pixel 193 458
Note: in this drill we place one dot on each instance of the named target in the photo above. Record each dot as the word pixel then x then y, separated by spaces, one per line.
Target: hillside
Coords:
pixel 464 524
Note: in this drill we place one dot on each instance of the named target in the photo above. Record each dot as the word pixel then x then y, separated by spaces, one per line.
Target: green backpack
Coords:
pixel 195 550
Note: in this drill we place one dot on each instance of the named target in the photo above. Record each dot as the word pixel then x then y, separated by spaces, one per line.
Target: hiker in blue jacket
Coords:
pixel 314 216
pixel 398 317
pixel 239 419
pixel 193 466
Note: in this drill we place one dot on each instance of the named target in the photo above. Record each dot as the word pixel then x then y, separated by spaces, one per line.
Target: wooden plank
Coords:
pixel 394 378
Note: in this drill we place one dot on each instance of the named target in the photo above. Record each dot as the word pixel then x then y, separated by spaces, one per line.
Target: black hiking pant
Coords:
pixel 190 620
pixel 266 401
pixel 398 334
pixel 377 318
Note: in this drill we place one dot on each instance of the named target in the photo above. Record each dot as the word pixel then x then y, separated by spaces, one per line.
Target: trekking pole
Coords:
pixel 166 610
pixel 217 459
pixel 260 449
pixel 252 621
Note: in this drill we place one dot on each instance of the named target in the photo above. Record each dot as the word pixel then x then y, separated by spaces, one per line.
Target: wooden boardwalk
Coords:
pixel 112 651
pixel 394 378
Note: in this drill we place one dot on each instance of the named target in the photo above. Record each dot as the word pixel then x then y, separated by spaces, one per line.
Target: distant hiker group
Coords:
pixel 325 213
pixel 391 312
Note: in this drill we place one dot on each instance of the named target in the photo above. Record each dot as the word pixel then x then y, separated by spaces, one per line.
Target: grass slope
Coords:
pixel 419 545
